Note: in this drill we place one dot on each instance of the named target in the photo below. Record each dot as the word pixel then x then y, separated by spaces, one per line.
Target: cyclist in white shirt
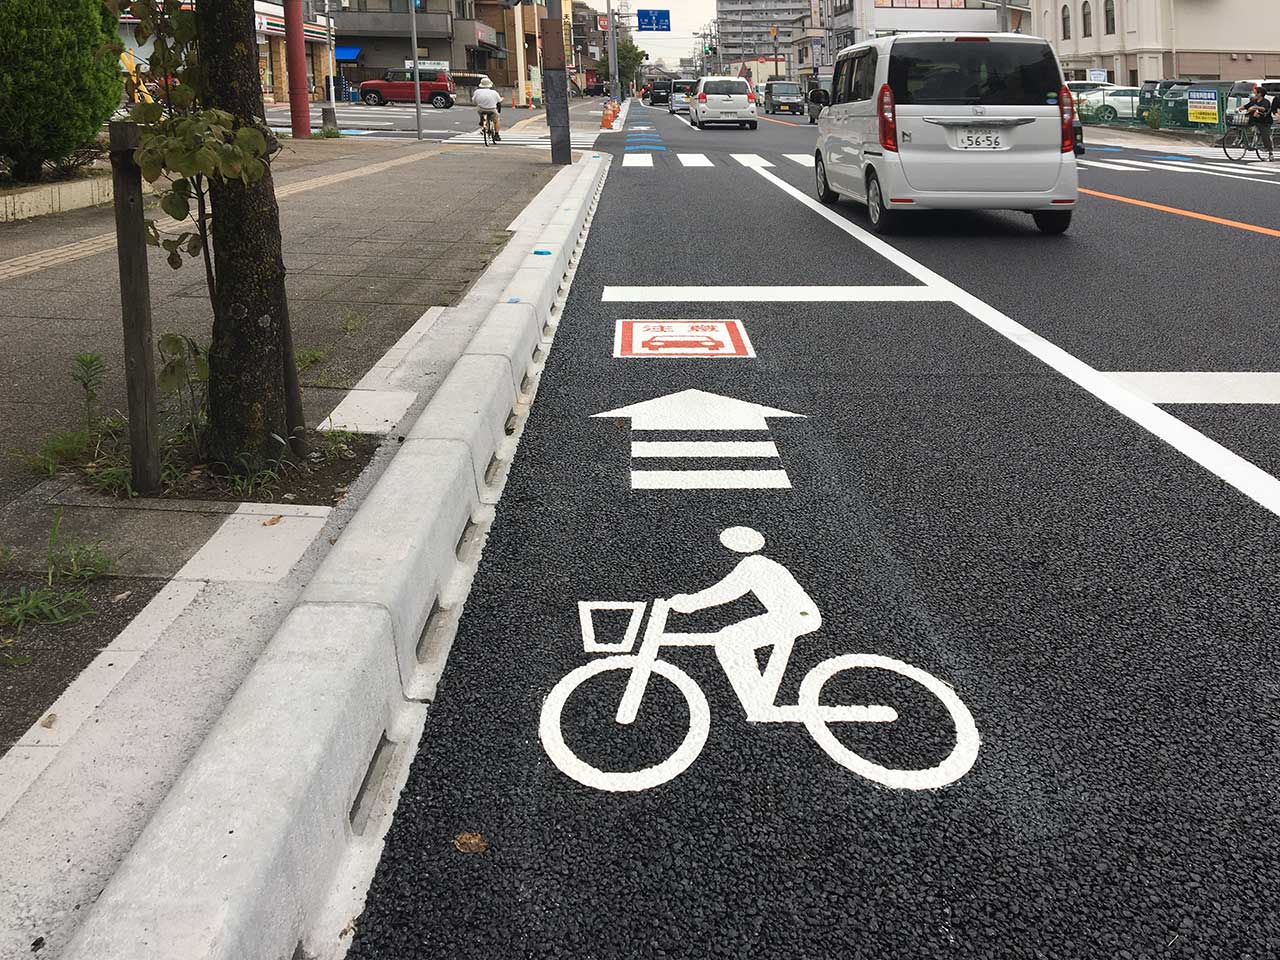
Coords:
pixel 488 101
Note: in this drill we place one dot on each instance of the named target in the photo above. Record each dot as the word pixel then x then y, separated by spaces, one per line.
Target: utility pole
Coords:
pixel 518 13
pixel 295 61
pixel 417 87
pixel 1004 16
pixel 614 88
pixel 555 83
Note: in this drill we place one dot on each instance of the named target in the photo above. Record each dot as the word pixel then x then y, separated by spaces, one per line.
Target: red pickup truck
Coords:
pixel 436 86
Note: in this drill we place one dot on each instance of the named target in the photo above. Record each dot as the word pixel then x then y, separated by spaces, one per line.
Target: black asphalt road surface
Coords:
pixel 1103 606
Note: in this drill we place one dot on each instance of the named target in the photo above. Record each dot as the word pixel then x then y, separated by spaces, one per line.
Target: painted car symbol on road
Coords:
pixel 682 343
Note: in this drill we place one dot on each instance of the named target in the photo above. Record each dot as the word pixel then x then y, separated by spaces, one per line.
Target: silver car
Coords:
pixel 723 100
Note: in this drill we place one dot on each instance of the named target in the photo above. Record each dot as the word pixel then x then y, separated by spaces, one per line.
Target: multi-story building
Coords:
pixel 751 28
pixel 451 33
pixel 590 43
pixel 855 20
pixel 1136 40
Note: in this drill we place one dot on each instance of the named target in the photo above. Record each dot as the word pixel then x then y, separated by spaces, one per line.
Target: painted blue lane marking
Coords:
pixel 1163 156
pixel 1092 149
pixel 645 147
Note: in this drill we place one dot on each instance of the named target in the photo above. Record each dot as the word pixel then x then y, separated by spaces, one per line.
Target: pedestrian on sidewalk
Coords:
pixel 488 102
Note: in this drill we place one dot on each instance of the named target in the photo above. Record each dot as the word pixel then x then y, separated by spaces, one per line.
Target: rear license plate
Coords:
pixel 979 138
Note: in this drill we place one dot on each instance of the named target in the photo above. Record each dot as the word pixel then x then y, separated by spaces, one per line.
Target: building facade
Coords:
pixel 269 28
pixel 752 28
pixel 1137 40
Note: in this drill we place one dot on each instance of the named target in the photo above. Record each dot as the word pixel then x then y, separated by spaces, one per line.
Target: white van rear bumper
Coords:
pixel 894 187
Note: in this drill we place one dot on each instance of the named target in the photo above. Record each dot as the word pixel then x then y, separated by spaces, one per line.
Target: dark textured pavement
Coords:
pixel 1102 605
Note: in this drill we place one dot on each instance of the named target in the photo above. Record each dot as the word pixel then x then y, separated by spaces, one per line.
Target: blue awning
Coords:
pixel 346 54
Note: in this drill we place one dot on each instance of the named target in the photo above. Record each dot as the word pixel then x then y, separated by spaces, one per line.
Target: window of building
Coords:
pixel 1086 19
pixel 464 9
pixel 1109 17
pixel 1066 22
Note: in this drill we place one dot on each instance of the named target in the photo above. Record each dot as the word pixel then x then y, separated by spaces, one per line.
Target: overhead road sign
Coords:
pixel 653 20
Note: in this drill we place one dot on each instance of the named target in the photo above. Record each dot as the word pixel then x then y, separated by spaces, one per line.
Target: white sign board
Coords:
pixel 1097 76
pixel 428 64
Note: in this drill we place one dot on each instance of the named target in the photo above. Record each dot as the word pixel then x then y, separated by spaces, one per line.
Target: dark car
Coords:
pixel 593 90
pixel 783 96
pixel 660 92
pixel 435 86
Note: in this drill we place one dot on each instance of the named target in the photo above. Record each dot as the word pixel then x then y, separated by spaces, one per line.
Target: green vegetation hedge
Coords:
pixel 60 79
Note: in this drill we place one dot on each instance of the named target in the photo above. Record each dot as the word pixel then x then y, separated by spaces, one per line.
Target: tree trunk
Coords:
pixel 254 398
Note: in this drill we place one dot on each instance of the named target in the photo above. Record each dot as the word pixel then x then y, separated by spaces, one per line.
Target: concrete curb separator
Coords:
pixel 240 857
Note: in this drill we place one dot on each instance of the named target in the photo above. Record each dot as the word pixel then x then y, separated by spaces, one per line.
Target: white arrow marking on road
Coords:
pixel 697 410
pixel 704 448
pixel 804 159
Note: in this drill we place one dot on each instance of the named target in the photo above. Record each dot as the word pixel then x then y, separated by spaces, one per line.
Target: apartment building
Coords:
pixel 750 28
pixel 855 20
pixel 1136 40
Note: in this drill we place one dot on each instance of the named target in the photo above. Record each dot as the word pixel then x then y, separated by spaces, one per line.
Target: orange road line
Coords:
pixel 1253 228
pixel 783 122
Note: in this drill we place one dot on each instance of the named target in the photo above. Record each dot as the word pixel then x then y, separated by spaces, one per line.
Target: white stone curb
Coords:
pixel 238 860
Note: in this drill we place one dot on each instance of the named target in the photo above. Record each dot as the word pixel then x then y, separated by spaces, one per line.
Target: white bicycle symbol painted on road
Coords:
pixel 789 613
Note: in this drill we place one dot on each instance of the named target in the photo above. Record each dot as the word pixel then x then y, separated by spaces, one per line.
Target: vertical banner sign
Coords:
pixel 1202 106
pixel 568 40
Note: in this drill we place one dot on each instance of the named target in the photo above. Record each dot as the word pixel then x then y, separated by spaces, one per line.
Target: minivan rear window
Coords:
pixel 662 84
pixel 947 72
pixel 726 87
pixel 785 89
pixel 683 86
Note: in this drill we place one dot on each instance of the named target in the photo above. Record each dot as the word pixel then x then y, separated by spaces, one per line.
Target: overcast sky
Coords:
pixel 687 17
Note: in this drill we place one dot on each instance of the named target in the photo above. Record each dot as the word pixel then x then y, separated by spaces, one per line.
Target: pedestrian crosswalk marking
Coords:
pixel 1107 166
pixel 524 139
pixel 751 160
pixel 804 159
pixel 695 160
pixel 638 160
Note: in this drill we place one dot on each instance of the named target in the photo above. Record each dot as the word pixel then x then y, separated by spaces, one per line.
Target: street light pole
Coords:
pixel 613 53
pixel 333 62
pixel 417 87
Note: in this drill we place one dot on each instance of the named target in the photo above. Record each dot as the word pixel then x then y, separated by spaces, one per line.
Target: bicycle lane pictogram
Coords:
pixel 938 524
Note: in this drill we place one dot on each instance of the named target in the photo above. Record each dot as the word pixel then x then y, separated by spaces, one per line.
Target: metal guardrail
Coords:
pixel 1210 113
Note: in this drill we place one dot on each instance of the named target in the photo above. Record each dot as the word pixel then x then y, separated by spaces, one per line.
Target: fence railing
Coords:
pixel 1199 110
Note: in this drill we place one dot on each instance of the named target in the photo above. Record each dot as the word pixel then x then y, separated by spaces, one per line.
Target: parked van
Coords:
pixel 949 121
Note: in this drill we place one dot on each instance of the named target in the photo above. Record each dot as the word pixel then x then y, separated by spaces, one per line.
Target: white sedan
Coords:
pixel 1110 103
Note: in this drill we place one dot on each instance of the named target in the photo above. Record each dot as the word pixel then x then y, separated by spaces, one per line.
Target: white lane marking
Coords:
pixel 804 159
pixel 751 160
pixel 638 160
pixel 1183 168
pixel 697 410
pixel 704 448
pixel 1244 168
pixel 694 160
pixel 1201 386
pixel 1230 467
pixel 1107 166
pixel 771 294
pixel 687 122
pixel 710 480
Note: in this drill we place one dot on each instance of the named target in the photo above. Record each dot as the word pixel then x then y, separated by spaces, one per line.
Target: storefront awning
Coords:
pixel 346 54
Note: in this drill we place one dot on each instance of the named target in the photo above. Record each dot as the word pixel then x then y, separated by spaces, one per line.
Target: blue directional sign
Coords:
pixel 653 20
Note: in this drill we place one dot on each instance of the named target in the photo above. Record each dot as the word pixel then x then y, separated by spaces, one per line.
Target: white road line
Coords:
pixel 694 160
pixel 638 160
pixel 775 294
pixel 687 122
pixel 751 160
pixel 1251 168
pixel 1201 386
pixel 710 480
pixel 1184 168
pixel 1107 166
pixel 1230 467
pixel 704 448
pixel 804 159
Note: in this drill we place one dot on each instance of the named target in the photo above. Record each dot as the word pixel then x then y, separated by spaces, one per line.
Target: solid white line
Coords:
pixel 704 448
pixel 804 159
pixel 776 294
pixel 694 160
pixel 1250 168
pixel 1107 166
pixel 1201 386
pixel 1230 467
pixel 687 122
pixel 710 480
pixel 751 160
pixel 1183 168
pixel 638 160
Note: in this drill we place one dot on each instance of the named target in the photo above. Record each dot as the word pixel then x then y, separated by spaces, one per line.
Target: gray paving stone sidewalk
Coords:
pixel 365 257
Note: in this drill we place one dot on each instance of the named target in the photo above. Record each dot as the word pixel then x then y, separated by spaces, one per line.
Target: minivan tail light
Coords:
pixel 1067 111
pixel 887 113
pixel 702 98
pixel 751 97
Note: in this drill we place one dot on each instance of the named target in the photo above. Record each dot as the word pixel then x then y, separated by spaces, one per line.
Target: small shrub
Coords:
pixel 89 373
pixel 43 605
pixel 308 357
pixel 76 561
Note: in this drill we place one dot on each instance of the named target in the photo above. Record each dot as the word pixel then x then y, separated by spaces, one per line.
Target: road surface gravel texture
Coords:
pixel 1103 606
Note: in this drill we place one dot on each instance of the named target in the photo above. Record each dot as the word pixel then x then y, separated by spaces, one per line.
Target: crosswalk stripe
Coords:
pixel 1182 168
pixel 751 160
pixel 695 160
pixel 638 160
pixel 804 159
pixel 1249 169
pixel 1107 166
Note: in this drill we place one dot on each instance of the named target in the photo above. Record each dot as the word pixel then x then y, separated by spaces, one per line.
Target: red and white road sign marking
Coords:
pixel 681 338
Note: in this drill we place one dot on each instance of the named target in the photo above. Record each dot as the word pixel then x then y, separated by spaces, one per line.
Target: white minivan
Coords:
pixel 949 121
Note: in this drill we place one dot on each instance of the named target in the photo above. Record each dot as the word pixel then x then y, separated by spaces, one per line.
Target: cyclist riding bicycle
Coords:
pixel 1259 110
pixel 488 103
